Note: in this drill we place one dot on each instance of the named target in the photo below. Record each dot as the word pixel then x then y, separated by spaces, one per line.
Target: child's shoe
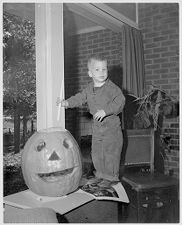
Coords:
pixel 94 181
pixel 105 183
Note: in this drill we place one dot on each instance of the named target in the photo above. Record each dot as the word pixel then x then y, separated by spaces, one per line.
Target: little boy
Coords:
pixel 105 101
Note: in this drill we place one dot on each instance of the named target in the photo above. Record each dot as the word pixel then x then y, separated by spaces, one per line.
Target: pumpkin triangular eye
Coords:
pixel 54 156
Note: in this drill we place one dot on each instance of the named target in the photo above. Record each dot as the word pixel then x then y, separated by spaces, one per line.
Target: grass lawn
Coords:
pixel 13 181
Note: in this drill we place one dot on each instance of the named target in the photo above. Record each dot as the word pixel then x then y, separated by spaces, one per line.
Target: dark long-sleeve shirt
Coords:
pixel 108 97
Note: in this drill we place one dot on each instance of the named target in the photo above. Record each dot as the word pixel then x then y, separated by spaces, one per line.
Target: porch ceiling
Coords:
pixel 78 22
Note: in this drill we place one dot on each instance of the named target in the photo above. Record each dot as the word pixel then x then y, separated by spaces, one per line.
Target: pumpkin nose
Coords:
pixel 54 156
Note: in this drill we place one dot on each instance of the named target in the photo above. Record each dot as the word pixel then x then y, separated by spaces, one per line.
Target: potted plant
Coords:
pixel 153 104
pixel 148 112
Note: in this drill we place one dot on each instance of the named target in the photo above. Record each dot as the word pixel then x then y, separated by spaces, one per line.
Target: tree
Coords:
pixel 19 89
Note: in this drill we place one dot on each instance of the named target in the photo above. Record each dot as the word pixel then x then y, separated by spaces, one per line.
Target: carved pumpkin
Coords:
pixel 51 163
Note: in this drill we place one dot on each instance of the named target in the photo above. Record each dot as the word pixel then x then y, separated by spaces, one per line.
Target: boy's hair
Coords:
pixel 96 57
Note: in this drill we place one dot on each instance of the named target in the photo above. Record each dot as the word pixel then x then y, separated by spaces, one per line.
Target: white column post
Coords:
pixel 49 64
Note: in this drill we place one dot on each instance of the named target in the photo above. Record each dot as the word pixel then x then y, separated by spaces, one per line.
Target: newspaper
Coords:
pixel 115 192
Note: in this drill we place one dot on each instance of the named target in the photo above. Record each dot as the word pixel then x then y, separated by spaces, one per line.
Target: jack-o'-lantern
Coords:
pixel 51 163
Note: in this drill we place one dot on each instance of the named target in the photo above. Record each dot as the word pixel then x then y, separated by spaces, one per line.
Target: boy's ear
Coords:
pixel 89 73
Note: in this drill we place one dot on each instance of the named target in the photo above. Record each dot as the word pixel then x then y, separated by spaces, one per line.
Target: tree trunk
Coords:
pixel 24 129
pixel 16 129
pixel 32 126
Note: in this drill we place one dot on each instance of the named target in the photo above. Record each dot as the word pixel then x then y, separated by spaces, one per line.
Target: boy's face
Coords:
pixel 98 71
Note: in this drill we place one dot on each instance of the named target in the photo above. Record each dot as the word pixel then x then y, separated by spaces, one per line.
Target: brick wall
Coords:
pixel 78 49
pixel 159 24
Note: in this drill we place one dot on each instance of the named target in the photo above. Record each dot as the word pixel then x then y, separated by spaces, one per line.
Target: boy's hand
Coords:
pixel 63 102
pixel 99 115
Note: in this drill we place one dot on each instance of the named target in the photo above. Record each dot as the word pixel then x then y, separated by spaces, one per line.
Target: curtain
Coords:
pixel 133 61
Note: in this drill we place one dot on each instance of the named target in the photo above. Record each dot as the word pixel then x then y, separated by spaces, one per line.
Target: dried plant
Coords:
pixel 151 105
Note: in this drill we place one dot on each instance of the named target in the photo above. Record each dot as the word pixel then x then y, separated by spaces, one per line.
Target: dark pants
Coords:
pixel 106 151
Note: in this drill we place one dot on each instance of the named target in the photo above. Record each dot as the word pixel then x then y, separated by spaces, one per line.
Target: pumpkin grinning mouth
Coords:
pixel 55 174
